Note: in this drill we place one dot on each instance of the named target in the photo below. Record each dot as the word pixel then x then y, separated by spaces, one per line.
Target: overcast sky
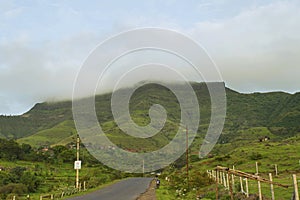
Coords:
pixel 256 44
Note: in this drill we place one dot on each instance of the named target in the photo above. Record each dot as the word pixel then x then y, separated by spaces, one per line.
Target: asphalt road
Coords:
pixel 128 189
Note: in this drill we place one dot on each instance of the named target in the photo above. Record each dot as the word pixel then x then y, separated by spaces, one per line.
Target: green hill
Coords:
pixel 243 155
pixel 249 116
pixel 42 116
pixel 59 134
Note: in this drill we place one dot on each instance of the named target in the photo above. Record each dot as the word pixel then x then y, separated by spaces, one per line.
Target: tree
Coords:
pixel 67 156
pixel 31 181
pixel 58 149
pixel 12 188
pixel 10 150
pixel 26 148
pixel 17 173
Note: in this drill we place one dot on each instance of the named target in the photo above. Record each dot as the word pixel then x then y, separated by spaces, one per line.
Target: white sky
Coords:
pixel 256 44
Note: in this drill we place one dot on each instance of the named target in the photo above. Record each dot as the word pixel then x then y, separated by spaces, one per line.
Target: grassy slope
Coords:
pixel 59 177
pixel 243 155
pixel 60 133
pixel 249 117
pixel 42 116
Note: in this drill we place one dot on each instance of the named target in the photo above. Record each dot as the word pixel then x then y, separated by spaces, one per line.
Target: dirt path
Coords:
pixel 150 193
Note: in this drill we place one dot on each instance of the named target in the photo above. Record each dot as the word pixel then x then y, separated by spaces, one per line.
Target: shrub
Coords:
pixel 223 158
pixel 15 188
pixel 256 156
pixel 32 181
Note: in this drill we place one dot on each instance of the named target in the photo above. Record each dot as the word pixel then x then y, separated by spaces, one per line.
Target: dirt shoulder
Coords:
pixel 150 193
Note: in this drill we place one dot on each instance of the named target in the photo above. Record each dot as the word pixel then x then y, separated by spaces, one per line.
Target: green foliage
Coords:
pixel 18 181
pixel 255 156
pixel 42 116
pixel 49 124
pixel 66 155
pixel 31 181
pixel 10 150
pixel 47 169
pixel 249 117
pixel 17 172
pixel 222 157
pixel 243 154
pixel 52 135
pixel 13 188
pixel 26 148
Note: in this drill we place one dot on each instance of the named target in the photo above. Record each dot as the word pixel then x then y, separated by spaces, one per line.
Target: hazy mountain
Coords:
pixel 52 122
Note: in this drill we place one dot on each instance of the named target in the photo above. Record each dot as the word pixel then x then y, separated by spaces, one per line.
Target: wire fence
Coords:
pixel 68 191
pixel 236 181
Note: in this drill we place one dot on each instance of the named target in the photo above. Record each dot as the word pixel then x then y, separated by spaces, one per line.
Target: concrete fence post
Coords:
pixel 232 176
pixel 247 187
pixel 241 183
pixel 224 180
pixel 256 166
pixel 259 190
pixel 272 187
pixel 296 192
pixel 276 170
pixel 221 177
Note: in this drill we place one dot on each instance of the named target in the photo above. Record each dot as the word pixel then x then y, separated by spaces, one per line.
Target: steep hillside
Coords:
pixel 42 116
pixel 273 114
pixel 58 134
pixel 284 154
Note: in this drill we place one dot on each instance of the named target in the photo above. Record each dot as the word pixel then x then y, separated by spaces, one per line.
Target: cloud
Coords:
pixel 31 74
pixel 258 49
pixel 255 46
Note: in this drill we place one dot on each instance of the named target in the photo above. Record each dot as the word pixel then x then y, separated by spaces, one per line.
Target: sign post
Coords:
pixel 77 164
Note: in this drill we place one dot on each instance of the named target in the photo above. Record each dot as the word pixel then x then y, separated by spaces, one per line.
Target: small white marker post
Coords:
pixel 241 183
pixel 232 176
pixel 259 190
pixel 247 187
pixel 276 170
pixel 272 187
pixel 221 177
pixel 295 187
pixel 256 165
pixel 227 181
pixel 224 180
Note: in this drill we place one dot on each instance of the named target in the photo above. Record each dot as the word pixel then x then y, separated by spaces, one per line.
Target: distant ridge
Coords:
pixel 279 112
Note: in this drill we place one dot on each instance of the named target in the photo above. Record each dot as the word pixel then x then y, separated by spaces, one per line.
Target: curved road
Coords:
pixel 128 189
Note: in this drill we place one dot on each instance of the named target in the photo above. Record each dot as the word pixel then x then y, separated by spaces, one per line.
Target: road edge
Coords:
pixel 149 194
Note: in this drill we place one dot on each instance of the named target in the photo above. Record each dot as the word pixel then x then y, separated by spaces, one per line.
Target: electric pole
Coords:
pixel 77 164
pixel 187 155
pixel 143 167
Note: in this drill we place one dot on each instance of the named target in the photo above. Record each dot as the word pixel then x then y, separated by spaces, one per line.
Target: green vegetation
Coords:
pixel 62 134
pixel 47 124
pixel 242 154
pixel 250 117
pixel 26 170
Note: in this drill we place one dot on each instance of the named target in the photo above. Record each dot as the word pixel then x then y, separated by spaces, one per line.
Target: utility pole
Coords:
pixel 76 165
pixel 143 167
pixel 186 150
pixel 187 155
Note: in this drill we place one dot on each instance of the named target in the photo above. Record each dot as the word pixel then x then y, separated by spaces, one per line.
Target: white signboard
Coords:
pixel 77 164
